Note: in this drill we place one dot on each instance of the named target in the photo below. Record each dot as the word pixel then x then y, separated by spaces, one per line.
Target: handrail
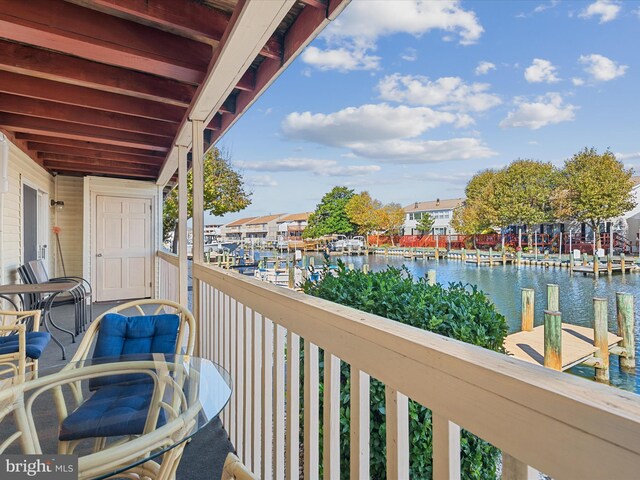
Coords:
pixel 172 258
pixel 562 425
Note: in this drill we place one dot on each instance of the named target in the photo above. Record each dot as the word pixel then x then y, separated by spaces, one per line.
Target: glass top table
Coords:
pixel 114 414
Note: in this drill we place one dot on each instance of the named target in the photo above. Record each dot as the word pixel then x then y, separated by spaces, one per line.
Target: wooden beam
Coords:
pixel 85 116
pixel 215 123
pixel 75 131
pixel 247 82
pixel 75 153
pixel 49 65
pixel 55 140
pixel 316 3
pixel 21 144
pixel 61 168
pixel 51 158
pixel 86 33
pixel 42 89
pixel 191 20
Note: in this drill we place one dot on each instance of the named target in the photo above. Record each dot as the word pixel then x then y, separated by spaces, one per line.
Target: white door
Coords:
pixel 43 225
pixel 123 248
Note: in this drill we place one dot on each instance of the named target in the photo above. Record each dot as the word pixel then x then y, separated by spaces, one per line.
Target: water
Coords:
pixel 503 284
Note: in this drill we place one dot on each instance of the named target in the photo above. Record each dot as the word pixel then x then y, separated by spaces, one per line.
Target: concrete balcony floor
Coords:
pixel 203 457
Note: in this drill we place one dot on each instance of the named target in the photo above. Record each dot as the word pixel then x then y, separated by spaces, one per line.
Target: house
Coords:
pixel 105 104
pixel 440 210
pixel 263 229
pixel 633 218
pixel 236 230
pixel 290 227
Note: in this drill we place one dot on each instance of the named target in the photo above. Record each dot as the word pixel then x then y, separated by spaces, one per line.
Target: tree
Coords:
pixel 362 211
pixel 425 224
pixel 593 189
pixel 523 193
pixel 391 219
pixel 479 211
pixel 223 193
pixel 330 216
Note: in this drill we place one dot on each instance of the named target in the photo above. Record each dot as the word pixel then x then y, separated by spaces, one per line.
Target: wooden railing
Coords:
pixel 168 276
pixel 562 425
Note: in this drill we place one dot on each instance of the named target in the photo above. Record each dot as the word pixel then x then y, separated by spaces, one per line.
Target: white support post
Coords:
pixel 198 191
pixel 331 413
pixel 397 410
pixel 183 294
pixel 360 428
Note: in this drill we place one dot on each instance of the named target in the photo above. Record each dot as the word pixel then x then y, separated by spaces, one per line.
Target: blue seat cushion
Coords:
pixel 113 410
pixel 36 343
pixel 139 335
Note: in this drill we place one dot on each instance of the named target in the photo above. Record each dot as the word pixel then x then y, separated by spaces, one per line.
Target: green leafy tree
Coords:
pixel 330 215
pixel 391 219
pixel 523 193
pixel 223 193
pixel 479 211
pixel 362 211
pixel 425 224
pixel 593 189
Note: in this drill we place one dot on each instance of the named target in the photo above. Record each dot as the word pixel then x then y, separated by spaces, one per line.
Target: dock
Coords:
pixel 603 268
pixel 577 345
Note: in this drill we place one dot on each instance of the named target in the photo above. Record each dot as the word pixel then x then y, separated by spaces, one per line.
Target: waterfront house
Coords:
pixel 263 229
pixel 103 101
pixel 290 227
pixel 236 230
pixel 440 210
pixel 633 218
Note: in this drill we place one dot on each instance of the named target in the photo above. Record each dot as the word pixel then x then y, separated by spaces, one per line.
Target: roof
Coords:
pixel 265 219
pixel 107 87
pixel 446 204
pixel 242 221
pixel 295 217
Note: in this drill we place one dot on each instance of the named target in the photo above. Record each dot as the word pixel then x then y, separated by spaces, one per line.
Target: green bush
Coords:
pixel 458 311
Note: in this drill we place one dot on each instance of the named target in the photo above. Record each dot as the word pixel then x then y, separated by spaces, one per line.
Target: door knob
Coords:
pixel 98 255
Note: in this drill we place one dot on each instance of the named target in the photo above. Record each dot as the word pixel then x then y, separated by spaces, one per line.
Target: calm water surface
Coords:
pixel 503 283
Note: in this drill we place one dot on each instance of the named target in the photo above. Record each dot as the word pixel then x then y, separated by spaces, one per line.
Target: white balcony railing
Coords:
pixel 564 426
pixel 168 276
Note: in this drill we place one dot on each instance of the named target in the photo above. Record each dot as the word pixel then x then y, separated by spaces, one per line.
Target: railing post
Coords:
pixel 359 428
pixel 397 412
pixel 446 448
pixel 311 412
pixel 514 469
pixel 293 406
pixel 331 420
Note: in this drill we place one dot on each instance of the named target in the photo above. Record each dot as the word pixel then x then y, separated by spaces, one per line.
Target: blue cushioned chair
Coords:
pixel 120 403
pixel 21 344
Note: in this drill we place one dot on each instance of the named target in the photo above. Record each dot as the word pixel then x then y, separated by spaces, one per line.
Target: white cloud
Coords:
pixel 601 68
pixel 355 32
pixel 262 181
pixel 605 9
pixel 484 67
pixel 329 168
pixel 546 6
pixel 577 81
pixel 341 59
pixel 425 151
pixel 545 110
pixel 628 156
pixel 365 123
pixel 541 71
pixel 452 93
pixel 410 55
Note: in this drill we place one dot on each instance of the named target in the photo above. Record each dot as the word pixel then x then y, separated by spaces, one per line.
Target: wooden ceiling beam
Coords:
pixel 71 152
pixel 75 131
pixel 61 167
pixel 55 140
pixel 192 19
pixel 58 67
pixel 323 4
pixel 86 33
pixel 42 89
pixel 91 163
pixel 85 116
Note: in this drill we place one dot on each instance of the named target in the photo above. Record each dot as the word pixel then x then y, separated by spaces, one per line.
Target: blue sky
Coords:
pixel 408 99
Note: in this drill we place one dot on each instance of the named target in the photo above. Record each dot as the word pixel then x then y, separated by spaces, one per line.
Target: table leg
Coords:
pixel 53 337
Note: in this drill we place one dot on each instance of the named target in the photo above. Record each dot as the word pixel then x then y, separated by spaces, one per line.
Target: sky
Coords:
pixel 407 99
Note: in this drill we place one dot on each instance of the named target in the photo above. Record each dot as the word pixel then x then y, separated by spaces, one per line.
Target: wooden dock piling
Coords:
pixel 490 257
pixel 431 277
pixel 609 264
pixel 584 260
pixel 601 339
pixel 596 265
pixel 528 297
pixel 623 265
pixel 553 340
pixel 365 268
pixel 553 297
pixel 624 307
pixel 464 255
pixel 477 256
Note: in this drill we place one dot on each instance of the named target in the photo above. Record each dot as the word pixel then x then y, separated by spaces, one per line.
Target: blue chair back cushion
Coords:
pixel 111 411
pixel 36 342
pixel 140 335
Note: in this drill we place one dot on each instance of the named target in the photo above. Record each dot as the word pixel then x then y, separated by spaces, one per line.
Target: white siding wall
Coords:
pixel 69 219
pixel 21 167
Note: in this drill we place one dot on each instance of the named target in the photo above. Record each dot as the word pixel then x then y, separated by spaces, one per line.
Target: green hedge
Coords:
pixel 458 311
